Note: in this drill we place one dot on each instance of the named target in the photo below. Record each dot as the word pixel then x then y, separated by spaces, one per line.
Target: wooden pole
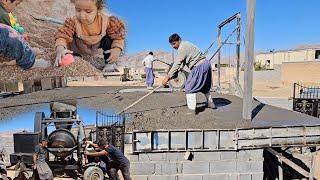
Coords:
pixel 139 100
pixel 249 58
pixel 283 159
pixel 280 170
pixel 238 46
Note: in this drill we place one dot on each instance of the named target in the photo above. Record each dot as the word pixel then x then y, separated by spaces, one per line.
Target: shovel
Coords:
pixel 139 100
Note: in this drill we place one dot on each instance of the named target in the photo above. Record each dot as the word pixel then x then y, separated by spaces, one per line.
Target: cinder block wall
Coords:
pixel 221 165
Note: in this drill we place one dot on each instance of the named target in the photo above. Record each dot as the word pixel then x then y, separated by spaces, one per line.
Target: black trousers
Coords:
pixel 125 171
pixel 105 44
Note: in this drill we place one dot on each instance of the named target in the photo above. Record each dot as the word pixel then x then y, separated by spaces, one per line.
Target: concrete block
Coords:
pixel 256 154
pixel 168 168
pixel 189 177
pixel 195 168
pixel 248 155
pixel 244 155
pixel 257 176
pixel 135 177
pixel 228 155
pixel 157 169
pixel 244 177
pixel 243 167
pixel 132 158
pixel 220 177
pixel 257 166
pixel 162 177
pixel 152 156
pixel 206 156
pixel 223 167
pixel 175 156
pixel 142 168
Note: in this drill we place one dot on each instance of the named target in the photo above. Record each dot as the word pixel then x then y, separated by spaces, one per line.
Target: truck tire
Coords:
pixel 93 173
pixel 178 83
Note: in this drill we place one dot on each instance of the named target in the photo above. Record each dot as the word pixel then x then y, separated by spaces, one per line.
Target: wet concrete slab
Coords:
pixel 161 110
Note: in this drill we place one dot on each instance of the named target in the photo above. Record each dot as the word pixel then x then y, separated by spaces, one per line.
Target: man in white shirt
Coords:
pixel 148 69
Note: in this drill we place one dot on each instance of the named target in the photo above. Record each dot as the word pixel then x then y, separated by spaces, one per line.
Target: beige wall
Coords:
pixel 286 56
pixel 307 72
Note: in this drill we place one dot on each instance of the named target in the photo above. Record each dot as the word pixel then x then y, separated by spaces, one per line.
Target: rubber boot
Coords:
pixel 192 103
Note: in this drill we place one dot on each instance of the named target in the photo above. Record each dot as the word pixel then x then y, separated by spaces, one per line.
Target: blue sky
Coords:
pixel 280 24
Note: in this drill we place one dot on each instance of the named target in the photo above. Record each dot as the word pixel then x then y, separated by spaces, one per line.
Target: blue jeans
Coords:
pixel 13 46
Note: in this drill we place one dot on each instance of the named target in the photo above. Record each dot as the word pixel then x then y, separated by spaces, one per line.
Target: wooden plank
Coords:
pixel 28 86
pixel 37 85
pixel 316 165
pixel 57 81
pixel 249 59
pixel 14 86
pixel 47 84
pixel 2 87
pixel 283 159
pixel 63 82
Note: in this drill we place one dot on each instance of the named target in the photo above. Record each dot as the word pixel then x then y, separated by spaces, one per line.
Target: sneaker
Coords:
pixel 150 88
pixel 211 105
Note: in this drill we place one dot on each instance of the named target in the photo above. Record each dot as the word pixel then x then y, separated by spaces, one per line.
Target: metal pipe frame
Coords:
pixel 219 29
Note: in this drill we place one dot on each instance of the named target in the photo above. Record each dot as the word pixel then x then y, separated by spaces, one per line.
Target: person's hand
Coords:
pixel 61 51
pixel 165 80
pixel 114 55
pixel 89 143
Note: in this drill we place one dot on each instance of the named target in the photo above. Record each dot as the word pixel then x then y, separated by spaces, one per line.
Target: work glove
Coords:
pixel 61 51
